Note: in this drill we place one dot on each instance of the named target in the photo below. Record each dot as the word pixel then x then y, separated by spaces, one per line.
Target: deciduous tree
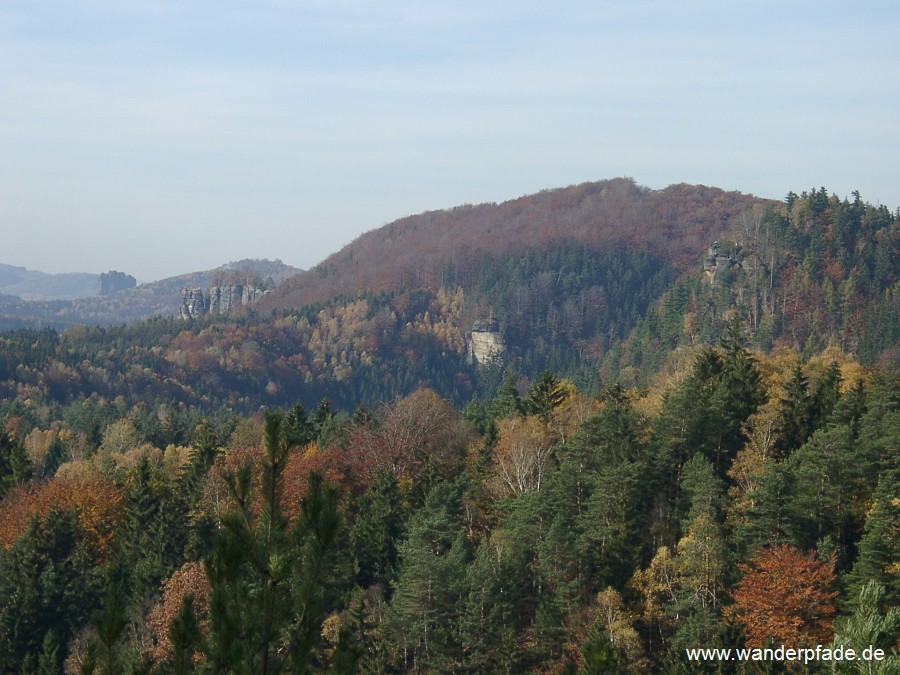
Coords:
pixel 786 596
pixel 522 456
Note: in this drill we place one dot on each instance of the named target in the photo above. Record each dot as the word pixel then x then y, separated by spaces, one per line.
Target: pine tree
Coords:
pixel 796 414
pixel 425 610
pixel 506 402
pixel 871 626
pixel 879 547
pixel 47 584
pixel 545 395
pixel 375 532
pixel 269 579
pixel 14 465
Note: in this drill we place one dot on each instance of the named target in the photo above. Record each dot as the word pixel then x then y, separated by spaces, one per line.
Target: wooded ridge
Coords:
pixel 689 440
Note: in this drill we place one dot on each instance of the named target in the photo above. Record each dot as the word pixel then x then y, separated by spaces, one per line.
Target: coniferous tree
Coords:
pixel 875 622
pixel 771 519
pixel 321 416
pixel 879 547
pixel 690 422
pixel 14 465
pixel 701 558
pixel 50 659
pixel 47 584
pixel 106 653
pixel 498 602
pixel 425 609
pixel 685 424
pixel 738 394
pixel 475 414
pixel 185 637
pixel 559 573
pixel 298 430
pixel 826 396
pixel 599 655
pixel 269 579
pixel 375 532
pixel 880 425
pixel 506 402
pixel 609 529
pixel 796 414
pixel 545 395
pixel 828 476
pixel 153 535
pixel 850 408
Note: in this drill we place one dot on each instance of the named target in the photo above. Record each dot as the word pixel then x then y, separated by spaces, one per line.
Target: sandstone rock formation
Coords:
pixel 715 263
pixel 485 343
pixel 223 299
pixel 113 281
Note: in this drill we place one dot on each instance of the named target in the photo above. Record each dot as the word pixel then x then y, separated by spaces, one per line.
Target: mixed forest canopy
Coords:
pixel 691 441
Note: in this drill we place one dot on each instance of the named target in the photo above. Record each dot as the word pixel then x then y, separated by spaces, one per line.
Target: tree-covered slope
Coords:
pixel 814 271
pixel 451 248
pixel 818 270
pixel 676 453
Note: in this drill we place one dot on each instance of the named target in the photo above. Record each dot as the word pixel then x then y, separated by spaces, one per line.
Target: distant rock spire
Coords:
pixel 113 282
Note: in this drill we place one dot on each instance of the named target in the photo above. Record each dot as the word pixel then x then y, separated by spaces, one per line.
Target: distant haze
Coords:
pixel 162 137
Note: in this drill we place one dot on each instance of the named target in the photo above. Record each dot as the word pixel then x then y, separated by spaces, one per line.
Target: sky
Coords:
pixel 163 137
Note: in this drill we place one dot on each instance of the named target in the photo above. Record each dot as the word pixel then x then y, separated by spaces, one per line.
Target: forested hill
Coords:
pixel 818 270
pixel 689 442
pixel 598 283
pixel 450 248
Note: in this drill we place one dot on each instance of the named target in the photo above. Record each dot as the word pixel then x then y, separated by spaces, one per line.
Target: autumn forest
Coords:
pixel 690 441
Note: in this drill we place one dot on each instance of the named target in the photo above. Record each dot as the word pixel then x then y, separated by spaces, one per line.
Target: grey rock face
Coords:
pixel 113 281
pixel 193 303
pixel 218 299
pixel 485 343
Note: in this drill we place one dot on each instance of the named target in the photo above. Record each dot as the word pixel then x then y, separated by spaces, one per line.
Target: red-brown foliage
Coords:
pixel 98 502
pixel 295 480
pixel 190 578
pixel 414 430
pixel 786 596
pixel 301 463
pixel 675 223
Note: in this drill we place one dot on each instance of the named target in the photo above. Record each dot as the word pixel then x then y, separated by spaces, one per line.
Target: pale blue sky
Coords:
pixel 159 137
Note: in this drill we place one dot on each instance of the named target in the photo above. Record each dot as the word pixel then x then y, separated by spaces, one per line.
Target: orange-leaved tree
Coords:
pixel 97 501
pixel 786 596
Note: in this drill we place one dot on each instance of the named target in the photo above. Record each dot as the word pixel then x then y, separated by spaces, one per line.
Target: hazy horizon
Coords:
pixel 160 138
